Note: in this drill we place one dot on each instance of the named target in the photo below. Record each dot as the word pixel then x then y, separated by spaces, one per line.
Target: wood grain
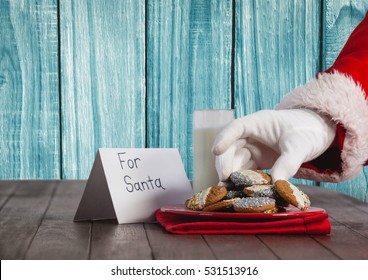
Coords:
pixel 347 215
pixel 304 247
pixel 102 46
pixel 239 247
pixel 188 68
pixel 340 19
pixel 342 239
pixel 58 237
pixel 119 242
pixel 21 216
pixel 165 245
pixel 276 50
pixel 7 188
pixel 29 106
pixel 131 73
pixel 36 223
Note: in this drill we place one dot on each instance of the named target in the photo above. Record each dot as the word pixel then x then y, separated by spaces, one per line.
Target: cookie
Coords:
pixel 228 184
pixel 274 210
pixel 260 190
pixel 206 197
pixel 249 178
pixel 234 194
pixel 255 205
pixel 292 194
pixel 265 191
pixel 222 205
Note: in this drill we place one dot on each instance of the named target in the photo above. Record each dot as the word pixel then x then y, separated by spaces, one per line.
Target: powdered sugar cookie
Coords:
pixel 250 177
pixel 234 194
pixel 266 191
pixel 255 205
pixel 260 190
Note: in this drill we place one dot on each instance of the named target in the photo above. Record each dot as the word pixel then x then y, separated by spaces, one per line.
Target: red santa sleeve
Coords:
pixel 341 93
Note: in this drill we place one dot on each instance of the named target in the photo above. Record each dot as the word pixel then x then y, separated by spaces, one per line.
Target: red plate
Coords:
pixel 291 212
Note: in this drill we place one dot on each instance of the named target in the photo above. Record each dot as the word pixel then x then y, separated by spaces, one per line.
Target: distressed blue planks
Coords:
pixel 276 50
pixel 29 104
pixel 340 19
pixel 102 47
pixel 188 49
pixel 188 68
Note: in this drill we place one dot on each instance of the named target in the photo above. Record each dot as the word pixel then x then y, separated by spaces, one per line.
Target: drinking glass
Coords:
pixel 206 125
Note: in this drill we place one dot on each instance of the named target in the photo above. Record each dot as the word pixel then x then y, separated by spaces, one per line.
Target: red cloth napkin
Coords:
pixel 179 224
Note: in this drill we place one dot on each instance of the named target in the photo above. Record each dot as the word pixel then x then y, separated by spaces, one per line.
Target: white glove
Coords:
pixel 269 139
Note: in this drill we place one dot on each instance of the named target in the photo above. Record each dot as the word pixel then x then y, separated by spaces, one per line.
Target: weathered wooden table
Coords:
pixel 36 222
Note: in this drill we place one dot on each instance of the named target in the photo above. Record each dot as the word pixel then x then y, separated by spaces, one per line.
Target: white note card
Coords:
pixel 131 184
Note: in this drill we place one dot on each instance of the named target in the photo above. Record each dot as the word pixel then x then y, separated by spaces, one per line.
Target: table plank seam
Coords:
pixel 268 247
pixel 324 246
pixel 41 220
pixel 365 211
pixel 209 246
pixel 44 217
pixel 350 228
pixel 9 197
pixel 148 241
pixel 90 240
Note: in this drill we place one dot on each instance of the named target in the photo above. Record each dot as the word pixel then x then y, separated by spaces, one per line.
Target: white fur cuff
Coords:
pixel 338 96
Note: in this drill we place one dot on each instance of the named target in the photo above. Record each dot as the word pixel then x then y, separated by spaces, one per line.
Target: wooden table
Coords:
pixel 36 222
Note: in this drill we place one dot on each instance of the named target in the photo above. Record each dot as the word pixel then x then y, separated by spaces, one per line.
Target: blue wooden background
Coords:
pixel 79 75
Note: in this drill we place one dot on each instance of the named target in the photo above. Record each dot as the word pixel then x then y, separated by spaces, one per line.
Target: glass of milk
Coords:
pixel 206 125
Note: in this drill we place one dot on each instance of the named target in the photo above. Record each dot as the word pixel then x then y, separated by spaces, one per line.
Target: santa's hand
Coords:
pixel 278 140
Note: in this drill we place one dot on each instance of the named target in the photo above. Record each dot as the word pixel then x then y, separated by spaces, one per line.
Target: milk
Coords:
pixel 206 126
pixel 204 171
